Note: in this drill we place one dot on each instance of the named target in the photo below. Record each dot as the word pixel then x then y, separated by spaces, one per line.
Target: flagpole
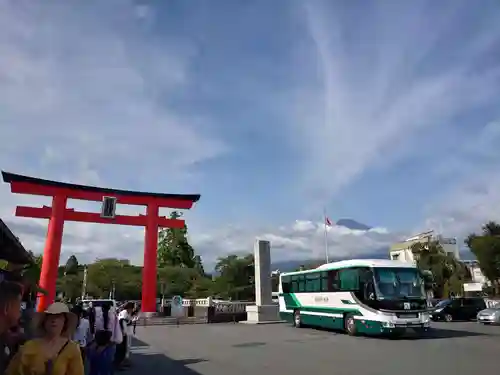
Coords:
pixel 326 235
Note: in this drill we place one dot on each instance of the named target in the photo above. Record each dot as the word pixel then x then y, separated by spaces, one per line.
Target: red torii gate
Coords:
pixel 58 214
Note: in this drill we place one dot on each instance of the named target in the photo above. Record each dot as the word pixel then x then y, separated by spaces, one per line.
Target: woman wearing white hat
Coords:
pixel 53 353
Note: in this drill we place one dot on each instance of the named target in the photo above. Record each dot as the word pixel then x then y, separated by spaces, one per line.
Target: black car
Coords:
pixel 458 309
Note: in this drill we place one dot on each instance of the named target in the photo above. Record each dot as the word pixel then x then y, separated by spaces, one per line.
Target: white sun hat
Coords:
pixel 57 308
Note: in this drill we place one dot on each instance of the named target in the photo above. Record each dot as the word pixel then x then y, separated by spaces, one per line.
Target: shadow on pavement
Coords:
pixel 438 333
pixel 145 360
pixel 161 364
pixel 136 342
pixel 249 344
pixel 433 334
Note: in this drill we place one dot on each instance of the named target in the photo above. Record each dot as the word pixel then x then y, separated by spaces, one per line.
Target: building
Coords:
pixel 402 250
pixel 11 249
pixel 478 279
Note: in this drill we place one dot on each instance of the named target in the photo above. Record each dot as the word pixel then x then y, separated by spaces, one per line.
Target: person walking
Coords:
pixel 10 312
pixel 125 322
pixel 135 318
pixel 106 336
pixel 53 352
pixel 82 332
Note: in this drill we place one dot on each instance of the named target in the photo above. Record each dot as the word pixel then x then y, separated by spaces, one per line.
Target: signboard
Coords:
pixel 108 208
pixel 177 308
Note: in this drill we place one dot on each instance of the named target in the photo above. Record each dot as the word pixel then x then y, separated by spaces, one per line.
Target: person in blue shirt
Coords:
pixel 101 351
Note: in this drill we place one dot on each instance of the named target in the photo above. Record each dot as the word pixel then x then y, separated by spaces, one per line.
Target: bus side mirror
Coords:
pixel 369 291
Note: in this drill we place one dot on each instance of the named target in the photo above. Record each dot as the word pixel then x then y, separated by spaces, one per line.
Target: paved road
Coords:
pixel 237 349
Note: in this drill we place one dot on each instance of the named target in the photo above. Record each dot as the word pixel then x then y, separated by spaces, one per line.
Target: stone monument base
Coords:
pixel 264 314
pixel 147 315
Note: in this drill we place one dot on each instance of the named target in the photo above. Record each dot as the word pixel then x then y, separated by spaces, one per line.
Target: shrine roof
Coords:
pixel 11 248
pixel 13 178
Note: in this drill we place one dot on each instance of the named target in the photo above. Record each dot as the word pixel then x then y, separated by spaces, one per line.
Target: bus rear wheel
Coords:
pixel 297 320
pixel 350 325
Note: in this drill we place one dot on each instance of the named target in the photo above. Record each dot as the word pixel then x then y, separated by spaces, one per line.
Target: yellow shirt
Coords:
pixel 30 360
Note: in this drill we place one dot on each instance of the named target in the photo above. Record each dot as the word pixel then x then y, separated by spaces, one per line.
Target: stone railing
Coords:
pixel 201 310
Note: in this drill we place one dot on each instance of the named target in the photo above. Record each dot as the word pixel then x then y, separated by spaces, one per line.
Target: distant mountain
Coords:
pixel 352 224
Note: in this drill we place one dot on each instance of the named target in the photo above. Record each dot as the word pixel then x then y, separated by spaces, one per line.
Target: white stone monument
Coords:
pixel 264 310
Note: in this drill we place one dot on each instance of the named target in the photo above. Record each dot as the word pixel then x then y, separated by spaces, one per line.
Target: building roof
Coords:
pixel 404 245
pixel 11 248
pixel 12 177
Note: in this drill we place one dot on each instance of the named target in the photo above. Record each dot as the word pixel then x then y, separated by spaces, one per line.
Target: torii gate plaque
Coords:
pixel 58 213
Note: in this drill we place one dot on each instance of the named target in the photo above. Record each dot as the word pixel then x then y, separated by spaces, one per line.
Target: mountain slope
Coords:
pixel 352 224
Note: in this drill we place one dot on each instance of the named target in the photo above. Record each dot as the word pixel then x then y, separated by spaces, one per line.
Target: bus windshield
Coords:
pixel 394 283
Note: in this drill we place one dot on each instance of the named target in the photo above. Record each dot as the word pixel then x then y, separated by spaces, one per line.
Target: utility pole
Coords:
pixel 84 285
pixel 112 291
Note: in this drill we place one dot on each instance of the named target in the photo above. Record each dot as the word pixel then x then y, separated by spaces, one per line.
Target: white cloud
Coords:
pixel 83 84
pixel 301 240
pixel 83 96
pixel 474 196
pixel 377 84
pixel 82 100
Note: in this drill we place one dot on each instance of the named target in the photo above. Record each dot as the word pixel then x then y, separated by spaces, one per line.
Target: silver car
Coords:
pixel 491 315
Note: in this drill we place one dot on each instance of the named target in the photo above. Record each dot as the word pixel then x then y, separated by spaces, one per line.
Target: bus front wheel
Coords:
pixel 297 320
pixel 350 325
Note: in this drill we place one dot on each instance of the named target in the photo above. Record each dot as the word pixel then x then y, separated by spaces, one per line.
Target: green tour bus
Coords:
pixel 364 296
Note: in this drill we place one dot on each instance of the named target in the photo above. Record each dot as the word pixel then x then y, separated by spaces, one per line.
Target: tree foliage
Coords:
pixel 448 273
pixel 235 277
pixel 174 248
pixel 486 247
pixel 71 267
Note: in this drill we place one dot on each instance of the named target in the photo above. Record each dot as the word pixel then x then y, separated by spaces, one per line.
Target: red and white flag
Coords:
pixel 328 222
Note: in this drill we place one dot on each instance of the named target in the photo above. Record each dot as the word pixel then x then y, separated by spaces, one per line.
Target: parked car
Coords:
pixel 491 315
pixel 458 309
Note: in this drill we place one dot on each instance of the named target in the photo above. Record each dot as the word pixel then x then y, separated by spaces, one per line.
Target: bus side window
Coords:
pixel 313 282
pixel 302 283
pixel 295 284
pixel 349 279
pixel 286 284
pixel 333 281
pixel 324 282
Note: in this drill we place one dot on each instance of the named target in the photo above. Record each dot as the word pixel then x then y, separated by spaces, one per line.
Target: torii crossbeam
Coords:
pixel 58 213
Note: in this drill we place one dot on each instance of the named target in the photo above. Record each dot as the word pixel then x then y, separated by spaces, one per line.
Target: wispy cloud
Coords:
pixel 473 197
pixel 85 84
pixel 385 78
pixel 282 111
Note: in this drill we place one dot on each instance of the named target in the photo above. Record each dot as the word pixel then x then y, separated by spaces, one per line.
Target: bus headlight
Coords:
pixel 388 325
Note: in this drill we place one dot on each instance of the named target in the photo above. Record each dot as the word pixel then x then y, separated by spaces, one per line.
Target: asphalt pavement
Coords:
pixel 238 349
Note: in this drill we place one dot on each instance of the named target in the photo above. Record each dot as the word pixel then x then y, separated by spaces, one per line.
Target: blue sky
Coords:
pixel 384 112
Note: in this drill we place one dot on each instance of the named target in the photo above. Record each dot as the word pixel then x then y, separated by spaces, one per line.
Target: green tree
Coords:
pixel 71 267
pixel 70 286
pixel 486 247
pixel 32 272
pixel 176 280
pixel 174 248
pixel 236 277
pixel 448 273
pixel 106 274
pixel 198 265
